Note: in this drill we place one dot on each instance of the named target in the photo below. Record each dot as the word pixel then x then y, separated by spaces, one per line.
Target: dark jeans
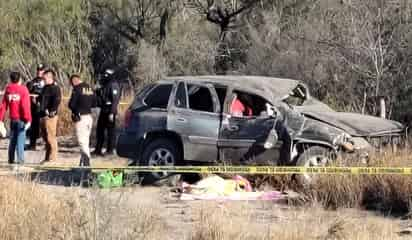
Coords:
pixel 34 131
pixel 17 141
pixel 103 125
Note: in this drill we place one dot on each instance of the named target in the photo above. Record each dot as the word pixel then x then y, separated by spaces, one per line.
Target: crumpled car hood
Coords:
pixel 356 124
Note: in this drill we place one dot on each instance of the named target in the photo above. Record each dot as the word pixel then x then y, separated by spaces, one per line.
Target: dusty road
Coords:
pixel 170 218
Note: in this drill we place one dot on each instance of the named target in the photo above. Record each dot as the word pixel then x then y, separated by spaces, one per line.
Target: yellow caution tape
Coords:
pixel 264 170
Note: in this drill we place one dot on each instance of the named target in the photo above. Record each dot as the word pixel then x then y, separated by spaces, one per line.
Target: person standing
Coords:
pixel 81 102
pixel 108 101
pixel 16 99
pixel 35 87
pixel 49 105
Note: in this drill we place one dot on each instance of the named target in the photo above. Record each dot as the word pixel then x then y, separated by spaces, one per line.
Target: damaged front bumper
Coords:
pixel 360 149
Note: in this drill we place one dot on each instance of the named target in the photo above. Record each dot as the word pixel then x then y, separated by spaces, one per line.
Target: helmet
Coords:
pixel 107 75
pixel 108 72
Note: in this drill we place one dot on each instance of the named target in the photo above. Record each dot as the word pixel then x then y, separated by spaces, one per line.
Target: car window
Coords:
pixel 245 104
pixel 200 98
pixel 138 100
pixel 158 97
pixel 180 99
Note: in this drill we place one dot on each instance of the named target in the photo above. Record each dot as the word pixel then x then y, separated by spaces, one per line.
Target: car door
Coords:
pixel 195 116
pixel 243 138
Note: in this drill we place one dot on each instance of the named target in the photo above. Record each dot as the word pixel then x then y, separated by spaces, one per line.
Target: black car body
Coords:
pixel 190 115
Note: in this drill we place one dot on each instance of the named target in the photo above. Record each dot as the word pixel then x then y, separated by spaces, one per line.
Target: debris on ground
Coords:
pixel 235 189
pixel 110 179
pixel 406 229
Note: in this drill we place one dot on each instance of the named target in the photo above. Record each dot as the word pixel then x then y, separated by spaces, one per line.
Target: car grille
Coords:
pixel 385 141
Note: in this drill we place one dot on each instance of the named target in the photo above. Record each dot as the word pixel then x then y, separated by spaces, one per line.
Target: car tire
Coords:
pixel 159 152
pixel 314 156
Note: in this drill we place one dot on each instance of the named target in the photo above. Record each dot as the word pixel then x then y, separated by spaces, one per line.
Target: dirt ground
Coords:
pixel 69 154
pixel 214 220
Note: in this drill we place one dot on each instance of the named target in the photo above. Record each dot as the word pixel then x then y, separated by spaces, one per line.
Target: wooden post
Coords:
pixel 382 107
pixel 364 102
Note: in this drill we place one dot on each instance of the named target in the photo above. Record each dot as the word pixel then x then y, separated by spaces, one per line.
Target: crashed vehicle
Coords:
pixel 187 120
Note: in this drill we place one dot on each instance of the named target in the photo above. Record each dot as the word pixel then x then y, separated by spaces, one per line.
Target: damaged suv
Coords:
pixel 243 119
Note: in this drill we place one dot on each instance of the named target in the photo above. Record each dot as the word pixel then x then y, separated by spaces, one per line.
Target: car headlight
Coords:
pixel 345 141
pixel 361 143
pixel 341 138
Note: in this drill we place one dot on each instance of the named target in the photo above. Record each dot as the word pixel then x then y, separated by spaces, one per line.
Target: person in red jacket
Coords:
pixel 16 99
pixel 239 107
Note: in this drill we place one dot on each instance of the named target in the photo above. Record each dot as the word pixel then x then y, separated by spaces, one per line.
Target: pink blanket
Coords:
pixel 237 196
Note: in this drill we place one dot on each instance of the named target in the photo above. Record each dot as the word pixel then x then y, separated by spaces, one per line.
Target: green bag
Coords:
pixel 110 179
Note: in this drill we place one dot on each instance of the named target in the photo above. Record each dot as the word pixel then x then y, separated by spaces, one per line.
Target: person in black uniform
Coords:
pixel 108 96
pixel 35 87
pixel 81 103
pixel 50 100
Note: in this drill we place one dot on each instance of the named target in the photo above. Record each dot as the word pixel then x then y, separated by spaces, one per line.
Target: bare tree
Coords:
pixel 365 42
pixel 222 12
pixel 134 19
pixel 122 28
pixel 370 46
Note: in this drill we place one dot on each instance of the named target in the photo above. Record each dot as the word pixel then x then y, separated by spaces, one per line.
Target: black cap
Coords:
pixel 41 67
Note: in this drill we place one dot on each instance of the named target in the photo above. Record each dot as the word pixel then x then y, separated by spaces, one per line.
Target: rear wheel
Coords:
pixel 314 156
pixel 159 152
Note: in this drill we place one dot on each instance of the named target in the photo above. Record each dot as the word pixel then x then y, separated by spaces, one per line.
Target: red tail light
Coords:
pixel 127 118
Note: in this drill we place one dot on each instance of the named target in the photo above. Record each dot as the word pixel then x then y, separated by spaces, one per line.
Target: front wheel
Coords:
pixel 315 156
pixel 160 152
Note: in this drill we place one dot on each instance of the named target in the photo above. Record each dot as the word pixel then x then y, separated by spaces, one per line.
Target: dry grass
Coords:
pixel 30 211
pixel 27 211
pixel 390 194
pixel 297 224
pixel 387 193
